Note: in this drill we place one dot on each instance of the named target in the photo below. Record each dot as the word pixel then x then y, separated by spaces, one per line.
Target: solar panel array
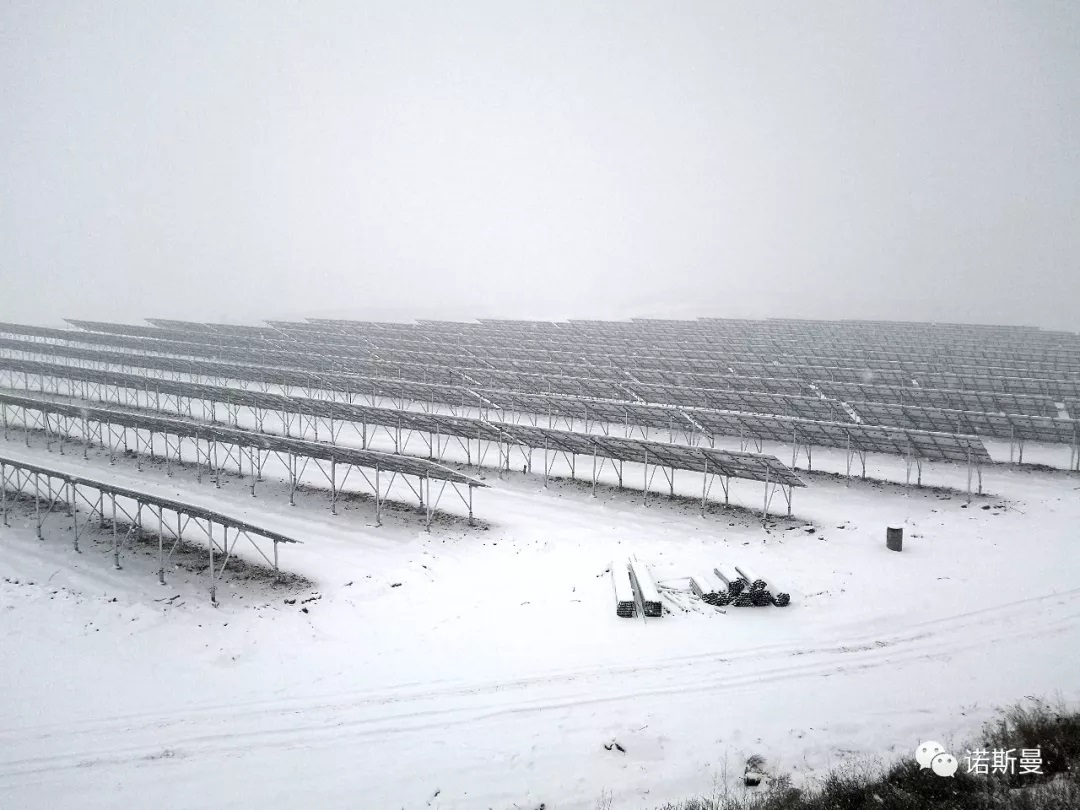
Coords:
pixel 390 462
pixel 899 439
pixel 752 466
pixel 874 385
pixel 687 419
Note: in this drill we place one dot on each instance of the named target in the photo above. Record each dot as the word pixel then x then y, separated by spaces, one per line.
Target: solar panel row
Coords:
pixel 741 394
pixel 787 430
pixel 496 348
pixel 750 466
pixel 1051 391
pixel 390 462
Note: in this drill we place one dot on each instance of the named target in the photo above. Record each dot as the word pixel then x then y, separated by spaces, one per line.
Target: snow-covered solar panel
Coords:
pixel 132 330
pixel 187 326
pixel 987 401
pixel 391 462
pixel 1000 426
pixel 173 505
pixel 869 438
pixel 739 465
pixel 767 428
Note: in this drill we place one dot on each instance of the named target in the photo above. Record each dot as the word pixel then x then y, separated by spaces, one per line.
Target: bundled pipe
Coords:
pixel 744 599
pixel 760 585
pixel 730 577
pixel 624 592
pixel 651 606
pixel 708 587
pixel 757 584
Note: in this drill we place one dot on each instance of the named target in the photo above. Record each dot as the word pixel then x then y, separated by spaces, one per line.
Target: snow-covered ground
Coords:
pixel 485 667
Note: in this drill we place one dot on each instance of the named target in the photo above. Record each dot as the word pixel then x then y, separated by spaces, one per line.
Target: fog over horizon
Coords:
pixel 238 161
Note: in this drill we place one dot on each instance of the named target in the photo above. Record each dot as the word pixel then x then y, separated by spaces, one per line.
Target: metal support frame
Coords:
pixel 16 478
pixel 217 455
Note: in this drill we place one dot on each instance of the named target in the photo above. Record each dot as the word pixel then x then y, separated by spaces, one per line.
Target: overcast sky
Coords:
pixel 239 161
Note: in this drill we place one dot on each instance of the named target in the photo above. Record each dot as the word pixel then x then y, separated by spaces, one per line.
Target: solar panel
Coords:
pixel 739 465
pixel 178 506
pixel 757 356
pixel 866 438
pixel 1001 426
pixel 750 466
pixel 390 462
pixel 767 428
pixel 1034 405
pixel 186 326
pixel 114 328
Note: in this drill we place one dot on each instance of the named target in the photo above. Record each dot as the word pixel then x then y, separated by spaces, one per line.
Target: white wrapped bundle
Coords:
pixel 731 578
pixel 624 591
pixel 646 589
pixel 708 587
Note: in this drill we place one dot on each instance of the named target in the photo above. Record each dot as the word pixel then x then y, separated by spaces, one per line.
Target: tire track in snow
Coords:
pixel 272 724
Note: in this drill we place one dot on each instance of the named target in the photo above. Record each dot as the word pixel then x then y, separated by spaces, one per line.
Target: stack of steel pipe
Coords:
pixel 761 592
pixel 709 588
pixel 624 591
pixel 651 606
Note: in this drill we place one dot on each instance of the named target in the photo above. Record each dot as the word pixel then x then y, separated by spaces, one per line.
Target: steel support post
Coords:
pixel 115 545
pixel 213 577
pixel 292 480
pixel 594 472
pixel 430 508
pixel 646 480
pixel 378 502
pixel 333 487
pixel 37 505
pixel 704 486
pixel 765 505
pixel 161 546
pixel 74 514
pixel 217 467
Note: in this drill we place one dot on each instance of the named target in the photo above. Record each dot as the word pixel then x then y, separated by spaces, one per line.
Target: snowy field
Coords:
pixel 485 667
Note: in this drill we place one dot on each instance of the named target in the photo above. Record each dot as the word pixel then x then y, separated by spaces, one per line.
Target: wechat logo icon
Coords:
pixel 933 755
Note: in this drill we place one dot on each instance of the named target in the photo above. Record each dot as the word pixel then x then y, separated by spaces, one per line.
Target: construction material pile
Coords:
pixel 709 589
pixel 646 590
pixel 743 589
pixel 635 591
pixel 624 591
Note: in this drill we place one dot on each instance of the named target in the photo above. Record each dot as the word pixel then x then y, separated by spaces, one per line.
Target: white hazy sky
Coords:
pixel 240 160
